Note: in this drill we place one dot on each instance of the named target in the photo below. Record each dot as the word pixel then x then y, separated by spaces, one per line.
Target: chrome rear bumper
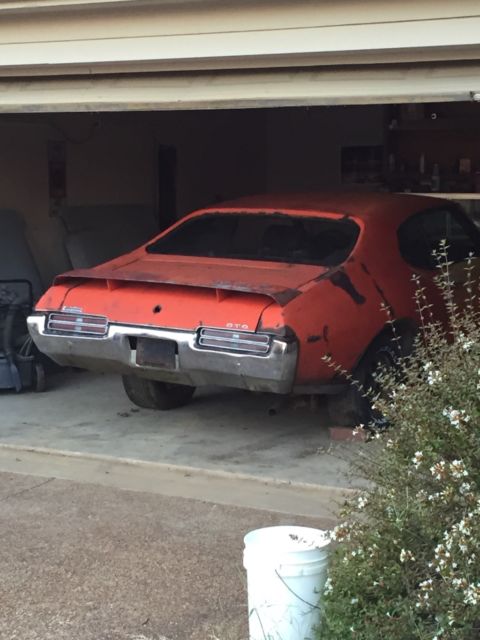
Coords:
pixel 274 372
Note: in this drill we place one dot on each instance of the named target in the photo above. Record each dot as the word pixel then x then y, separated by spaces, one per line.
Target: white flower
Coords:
pixel 426 585
pixel 328 588
pixel 462 527
pixel 442 557
pixel 417 459
pixel 362 502
pixel 465 488
pixel 433 377
pixel 459 583
pixel 440 551
pixel 472 594
pixel 438 470
pixel 457 469
pixel 340 532
pixel 405 555
pixel 466 343
pixel 456 417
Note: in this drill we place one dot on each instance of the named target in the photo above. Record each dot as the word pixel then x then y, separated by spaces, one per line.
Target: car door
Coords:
pixel 421 236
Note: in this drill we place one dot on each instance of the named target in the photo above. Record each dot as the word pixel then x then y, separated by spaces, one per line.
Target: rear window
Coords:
pixel 274 237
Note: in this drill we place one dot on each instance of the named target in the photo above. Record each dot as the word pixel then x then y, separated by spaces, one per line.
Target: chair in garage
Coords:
pixel 21 365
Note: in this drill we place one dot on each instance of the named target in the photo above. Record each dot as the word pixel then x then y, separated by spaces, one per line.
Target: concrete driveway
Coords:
pixel 221 430
pixel 86 562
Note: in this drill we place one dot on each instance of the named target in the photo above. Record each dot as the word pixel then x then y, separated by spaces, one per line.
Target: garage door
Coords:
pixel 244 89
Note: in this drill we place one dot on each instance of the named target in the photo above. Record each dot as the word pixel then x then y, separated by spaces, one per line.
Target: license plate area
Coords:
pixel 152 352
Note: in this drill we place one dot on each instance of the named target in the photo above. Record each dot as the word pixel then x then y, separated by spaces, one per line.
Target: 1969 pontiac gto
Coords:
pixel 253 294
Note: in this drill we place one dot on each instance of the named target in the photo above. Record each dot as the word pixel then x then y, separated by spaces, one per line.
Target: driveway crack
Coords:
pixel 18 493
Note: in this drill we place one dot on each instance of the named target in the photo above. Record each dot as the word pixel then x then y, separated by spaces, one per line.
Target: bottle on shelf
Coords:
pixel 436 177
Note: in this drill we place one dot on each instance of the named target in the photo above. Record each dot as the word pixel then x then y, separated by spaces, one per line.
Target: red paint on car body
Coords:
pixel 340 306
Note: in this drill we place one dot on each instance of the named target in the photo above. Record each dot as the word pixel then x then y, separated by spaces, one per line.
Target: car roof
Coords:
pixel 359 204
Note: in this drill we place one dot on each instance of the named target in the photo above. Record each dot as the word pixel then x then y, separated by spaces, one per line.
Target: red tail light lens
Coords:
pixel 236 341
pixel 76 324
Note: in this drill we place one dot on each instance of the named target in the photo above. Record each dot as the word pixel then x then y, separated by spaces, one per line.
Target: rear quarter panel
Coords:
pixel 341 313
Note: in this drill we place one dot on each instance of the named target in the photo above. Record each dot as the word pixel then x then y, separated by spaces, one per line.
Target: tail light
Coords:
pixel 77 324
pixel 234 341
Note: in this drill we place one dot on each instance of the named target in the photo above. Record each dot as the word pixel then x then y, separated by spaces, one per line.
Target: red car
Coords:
pixel 253 294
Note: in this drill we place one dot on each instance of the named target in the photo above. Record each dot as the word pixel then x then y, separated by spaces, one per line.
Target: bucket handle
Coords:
pixel 314 606
pixel 255 610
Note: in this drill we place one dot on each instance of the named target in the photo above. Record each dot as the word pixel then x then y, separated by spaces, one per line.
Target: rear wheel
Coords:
pixel 39 378
pixel 150 394
pixel 353 407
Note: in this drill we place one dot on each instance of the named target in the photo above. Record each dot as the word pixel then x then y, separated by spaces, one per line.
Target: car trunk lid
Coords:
pixel 279 281
pixel 182 293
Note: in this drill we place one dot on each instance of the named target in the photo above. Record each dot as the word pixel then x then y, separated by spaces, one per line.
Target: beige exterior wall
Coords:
pixel 107 55
pixel 81 36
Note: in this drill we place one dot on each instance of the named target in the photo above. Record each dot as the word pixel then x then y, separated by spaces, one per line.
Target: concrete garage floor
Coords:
pixel 220 429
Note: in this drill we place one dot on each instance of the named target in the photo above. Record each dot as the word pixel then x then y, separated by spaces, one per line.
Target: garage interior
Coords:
pixel 89 186
pixel 74 178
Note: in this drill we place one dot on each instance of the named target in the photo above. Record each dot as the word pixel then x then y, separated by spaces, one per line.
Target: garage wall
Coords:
pixel 304 145
pixel 109 161
pixel 100 170
pixel 221 154
pixel 24 188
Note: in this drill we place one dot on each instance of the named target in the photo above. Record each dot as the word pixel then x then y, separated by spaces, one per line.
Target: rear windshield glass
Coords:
pixel 270 237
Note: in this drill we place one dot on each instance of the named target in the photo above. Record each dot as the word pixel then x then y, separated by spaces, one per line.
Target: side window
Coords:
pixel 413 243
pixel 463 237
pixel 422 234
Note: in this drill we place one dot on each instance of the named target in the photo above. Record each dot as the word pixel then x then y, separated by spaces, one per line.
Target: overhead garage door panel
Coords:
pixel 129 36
pixel 245 89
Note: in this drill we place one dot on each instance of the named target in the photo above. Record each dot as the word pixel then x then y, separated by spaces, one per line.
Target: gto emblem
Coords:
pixel 72 309
pixel 236 325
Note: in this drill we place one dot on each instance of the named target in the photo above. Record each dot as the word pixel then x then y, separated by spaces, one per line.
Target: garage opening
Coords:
pixel 77 189
pixel 90 186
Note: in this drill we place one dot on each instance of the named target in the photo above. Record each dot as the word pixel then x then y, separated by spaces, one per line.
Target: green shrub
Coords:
pixel 407 562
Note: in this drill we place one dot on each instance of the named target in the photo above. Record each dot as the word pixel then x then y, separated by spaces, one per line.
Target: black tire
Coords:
pixel 352 407
pixel 150 394
pixel 39 378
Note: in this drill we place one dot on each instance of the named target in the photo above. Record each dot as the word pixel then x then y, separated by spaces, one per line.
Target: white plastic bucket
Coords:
pixel 286 572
